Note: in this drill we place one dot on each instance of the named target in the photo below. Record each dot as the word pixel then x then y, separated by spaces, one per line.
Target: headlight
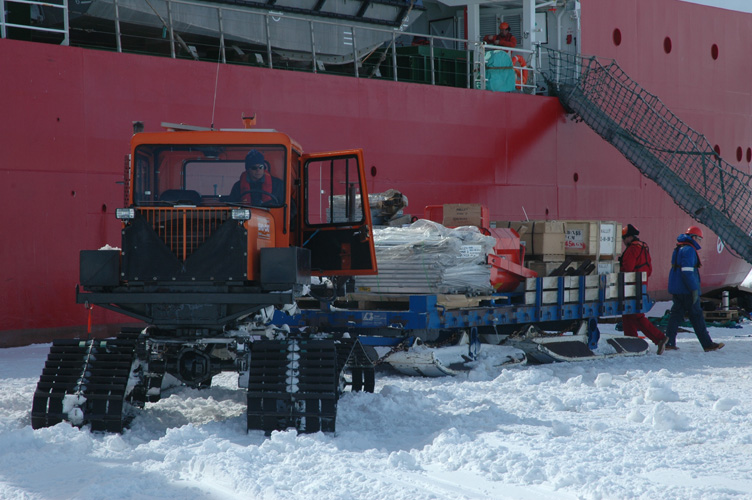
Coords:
pixel 125 213
pixel 241 213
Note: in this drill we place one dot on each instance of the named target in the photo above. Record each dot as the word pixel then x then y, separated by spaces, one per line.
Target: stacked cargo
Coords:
pixel 544 243
pixel 569 247
pixel 597 241
pixel 427 257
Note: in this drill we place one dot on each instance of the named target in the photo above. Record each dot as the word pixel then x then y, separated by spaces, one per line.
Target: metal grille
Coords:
pixel 183 230
pixel 665 149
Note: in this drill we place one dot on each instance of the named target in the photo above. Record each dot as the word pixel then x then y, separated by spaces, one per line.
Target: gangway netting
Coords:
pixel 657 142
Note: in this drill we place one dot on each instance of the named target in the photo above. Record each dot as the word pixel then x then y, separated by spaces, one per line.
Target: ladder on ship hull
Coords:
pixel 658 143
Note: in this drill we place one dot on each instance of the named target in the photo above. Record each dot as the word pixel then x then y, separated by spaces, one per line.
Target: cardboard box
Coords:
pixel 596 238
pixel 465 215
pixel 543 240
pixel 548 246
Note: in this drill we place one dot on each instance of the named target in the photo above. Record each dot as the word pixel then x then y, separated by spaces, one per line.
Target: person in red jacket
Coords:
pixel 505 38
pixel 636 258
pixel 257 186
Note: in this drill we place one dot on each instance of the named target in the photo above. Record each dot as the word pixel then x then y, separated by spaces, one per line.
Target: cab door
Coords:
pixel 336 216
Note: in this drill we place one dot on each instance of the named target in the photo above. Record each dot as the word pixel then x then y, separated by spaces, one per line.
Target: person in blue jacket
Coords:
pixel 684 286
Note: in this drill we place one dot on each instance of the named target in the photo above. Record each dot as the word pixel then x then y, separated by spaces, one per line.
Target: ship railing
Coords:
pixel 286 41
pixel 35 6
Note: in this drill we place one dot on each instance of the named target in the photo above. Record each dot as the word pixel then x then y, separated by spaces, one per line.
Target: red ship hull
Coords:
pixel 67 116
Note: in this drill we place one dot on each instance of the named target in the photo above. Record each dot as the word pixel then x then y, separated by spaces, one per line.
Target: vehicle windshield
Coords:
pixel 210 175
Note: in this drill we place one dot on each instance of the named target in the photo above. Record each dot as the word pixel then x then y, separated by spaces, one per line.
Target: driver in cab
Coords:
pixel 257 186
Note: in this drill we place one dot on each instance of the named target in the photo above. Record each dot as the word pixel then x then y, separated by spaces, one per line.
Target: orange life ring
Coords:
pixel 519 62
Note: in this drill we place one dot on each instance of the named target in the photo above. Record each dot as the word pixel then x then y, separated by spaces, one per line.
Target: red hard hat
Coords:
pixel 694 230
pixel 504 26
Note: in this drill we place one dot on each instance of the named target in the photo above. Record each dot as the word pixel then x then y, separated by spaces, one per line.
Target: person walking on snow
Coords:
pixel 636 258
pixel 684 286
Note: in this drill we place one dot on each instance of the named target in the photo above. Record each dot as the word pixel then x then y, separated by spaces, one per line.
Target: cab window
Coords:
pixel 333 191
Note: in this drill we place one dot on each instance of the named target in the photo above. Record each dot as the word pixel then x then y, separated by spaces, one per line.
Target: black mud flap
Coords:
pixel 293 383
pixel 84 382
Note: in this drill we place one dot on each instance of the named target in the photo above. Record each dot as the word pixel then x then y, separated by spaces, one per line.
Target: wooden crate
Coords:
pixel 600 239
pixel 398 301
pixel 721 315
pixel 543 240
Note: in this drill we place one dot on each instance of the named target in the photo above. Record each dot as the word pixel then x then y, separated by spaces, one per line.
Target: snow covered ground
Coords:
pixel 675 426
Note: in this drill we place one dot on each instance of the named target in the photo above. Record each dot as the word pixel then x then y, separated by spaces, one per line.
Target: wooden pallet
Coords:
pixel 721 315
pixel 387 301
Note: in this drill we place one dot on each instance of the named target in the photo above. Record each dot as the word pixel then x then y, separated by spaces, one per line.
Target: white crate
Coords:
pixel 552 296
pixel 548 283
pixel 612 292
pixel 574 281
pixel 613 278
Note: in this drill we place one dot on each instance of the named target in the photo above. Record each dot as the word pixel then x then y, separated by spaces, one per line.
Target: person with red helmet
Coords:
pixel 636 258
pixel 684 286
pixel 505 38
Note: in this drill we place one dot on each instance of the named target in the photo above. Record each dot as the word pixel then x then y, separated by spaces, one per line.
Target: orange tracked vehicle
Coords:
pixel 218 228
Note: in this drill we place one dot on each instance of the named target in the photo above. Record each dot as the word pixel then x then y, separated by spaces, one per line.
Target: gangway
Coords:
pixel 664 148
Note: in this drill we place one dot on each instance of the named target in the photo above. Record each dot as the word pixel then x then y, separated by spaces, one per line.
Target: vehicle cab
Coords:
pixel 187 183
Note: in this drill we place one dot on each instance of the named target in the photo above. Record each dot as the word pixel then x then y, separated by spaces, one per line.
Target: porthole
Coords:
pixel 714 52
pixel 617 37
pixel 667 45
pixel 739 153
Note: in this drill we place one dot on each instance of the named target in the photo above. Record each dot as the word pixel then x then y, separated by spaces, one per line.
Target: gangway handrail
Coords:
pixel 635 122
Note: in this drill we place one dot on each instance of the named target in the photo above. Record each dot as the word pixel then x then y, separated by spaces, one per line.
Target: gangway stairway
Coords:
pixel 657 142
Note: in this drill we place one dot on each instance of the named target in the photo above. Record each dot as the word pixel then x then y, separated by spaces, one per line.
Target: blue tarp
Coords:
pixel 500 75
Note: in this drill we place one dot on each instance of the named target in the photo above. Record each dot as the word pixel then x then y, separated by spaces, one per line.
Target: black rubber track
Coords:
pixel 97 370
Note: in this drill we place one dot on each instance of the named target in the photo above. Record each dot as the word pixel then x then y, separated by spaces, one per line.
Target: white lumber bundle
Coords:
pixel 427 257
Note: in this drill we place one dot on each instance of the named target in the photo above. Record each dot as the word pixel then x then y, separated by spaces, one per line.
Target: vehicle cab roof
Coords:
pixel 197 135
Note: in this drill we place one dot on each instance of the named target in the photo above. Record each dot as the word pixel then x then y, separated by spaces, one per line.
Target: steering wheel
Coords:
pixel 274 199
